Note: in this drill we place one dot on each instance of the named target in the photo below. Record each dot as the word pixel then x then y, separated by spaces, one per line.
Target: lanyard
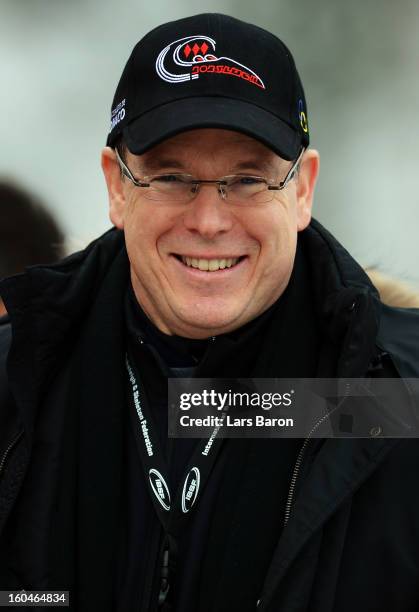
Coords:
pixel 172 508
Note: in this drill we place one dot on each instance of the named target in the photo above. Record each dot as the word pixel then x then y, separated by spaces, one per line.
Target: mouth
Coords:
pixel 210 265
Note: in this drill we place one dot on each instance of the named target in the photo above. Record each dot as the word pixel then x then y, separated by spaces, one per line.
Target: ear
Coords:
pixel 306 182
pixel 114 183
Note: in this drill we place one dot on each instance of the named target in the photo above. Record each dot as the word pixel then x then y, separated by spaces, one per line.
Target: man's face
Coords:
pixel 260 238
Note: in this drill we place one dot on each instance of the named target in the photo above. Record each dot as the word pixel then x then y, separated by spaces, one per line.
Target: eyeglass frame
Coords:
pixel 220 181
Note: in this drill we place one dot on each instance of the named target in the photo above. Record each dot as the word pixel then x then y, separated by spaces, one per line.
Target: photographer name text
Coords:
pixel 230 421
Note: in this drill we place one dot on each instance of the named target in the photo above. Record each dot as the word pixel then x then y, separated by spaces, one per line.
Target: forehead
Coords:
pixel 196 146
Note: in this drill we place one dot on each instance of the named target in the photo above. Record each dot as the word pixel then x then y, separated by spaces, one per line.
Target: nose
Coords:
pixel 208 213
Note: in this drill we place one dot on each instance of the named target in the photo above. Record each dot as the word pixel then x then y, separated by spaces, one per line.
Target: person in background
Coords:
pixel 29 234
pixel 392 290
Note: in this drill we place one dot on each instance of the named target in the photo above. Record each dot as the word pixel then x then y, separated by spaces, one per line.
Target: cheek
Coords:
pixel 278 242
pixel 277 232
pixel 138 238
pixel 146 230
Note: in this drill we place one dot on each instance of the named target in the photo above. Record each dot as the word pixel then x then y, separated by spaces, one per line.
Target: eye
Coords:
pixel 250 180
pixel 168 178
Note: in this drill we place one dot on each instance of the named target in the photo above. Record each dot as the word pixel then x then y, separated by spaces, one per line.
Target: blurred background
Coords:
pixel 60 62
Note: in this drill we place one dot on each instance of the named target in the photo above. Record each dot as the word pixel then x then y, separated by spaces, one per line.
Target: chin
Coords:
pixel 210 319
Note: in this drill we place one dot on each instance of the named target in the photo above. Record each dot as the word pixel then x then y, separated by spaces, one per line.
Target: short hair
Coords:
pixel 120 144
pixel 29 234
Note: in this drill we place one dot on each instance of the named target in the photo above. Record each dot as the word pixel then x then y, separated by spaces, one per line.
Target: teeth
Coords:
pixel 210 265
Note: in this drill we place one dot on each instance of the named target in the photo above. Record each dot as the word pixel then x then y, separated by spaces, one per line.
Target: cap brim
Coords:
pixel 178 116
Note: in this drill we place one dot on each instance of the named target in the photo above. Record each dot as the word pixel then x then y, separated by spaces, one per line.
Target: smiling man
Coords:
pixel 218 252
pixel 214 269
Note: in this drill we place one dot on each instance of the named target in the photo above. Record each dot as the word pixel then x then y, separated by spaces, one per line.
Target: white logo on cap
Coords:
pixel 197 53
pixel 117 114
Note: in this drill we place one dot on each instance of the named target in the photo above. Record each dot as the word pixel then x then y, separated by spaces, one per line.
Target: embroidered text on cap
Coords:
pixel 191 52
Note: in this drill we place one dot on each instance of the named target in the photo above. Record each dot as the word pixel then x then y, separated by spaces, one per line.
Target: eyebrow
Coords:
pixel 260 165
pixel 156 165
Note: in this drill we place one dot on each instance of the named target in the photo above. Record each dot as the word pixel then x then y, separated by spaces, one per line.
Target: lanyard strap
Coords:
pixel 173 508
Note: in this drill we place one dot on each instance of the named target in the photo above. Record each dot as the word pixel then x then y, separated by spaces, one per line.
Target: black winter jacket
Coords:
pixel 352 537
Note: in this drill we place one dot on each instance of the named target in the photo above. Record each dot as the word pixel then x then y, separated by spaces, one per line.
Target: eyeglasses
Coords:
pixel 235 188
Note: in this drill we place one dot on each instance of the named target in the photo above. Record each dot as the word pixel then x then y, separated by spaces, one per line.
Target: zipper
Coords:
pixel 300 457
pixel 9 449
pixel 294 477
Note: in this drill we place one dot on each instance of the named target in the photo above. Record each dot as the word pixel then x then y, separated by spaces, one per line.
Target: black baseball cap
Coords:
pixel 210 71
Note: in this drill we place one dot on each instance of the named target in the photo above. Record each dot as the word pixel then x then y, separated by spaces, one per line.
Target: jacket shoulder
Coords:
pixel 5 340
pixel 398 335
